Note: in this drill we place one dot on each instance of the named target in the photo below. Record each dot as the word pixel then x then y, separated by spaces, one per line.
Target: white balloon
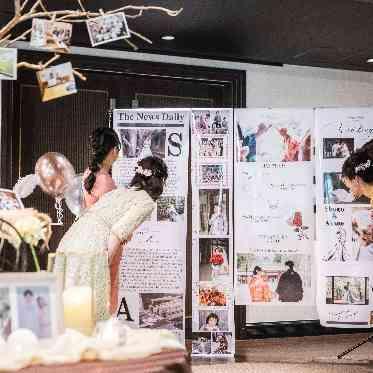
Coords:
pixel 74 195
pixel 26 185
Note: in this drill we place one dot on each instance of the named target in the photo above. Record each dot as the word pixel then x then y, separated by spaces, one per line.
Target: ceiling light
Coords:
pixel 168 37
pixel 370 60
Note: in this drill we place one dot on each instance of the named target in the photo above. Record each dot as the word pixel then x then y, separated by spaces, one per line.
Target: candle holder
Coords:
pixel 79 295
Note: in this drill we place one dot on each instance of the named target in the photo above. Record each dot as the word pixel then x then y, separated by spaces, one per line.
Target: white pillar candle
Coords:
pixel 78 309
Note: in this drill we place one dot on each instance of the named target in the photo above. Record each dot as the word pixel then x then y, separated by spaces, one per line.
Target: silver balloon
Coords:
pixel 74 195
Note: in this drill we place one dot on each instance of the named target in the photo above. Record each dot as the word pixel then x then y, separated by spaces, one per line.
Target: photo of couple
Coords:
pixel 34 312
pixel 273 278
pixel 211 122
pixel 347 290
pixel 268 142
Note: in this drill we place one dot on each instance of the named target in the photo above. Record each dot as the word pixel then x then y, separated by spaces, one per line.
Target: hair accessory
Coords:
pixel 143 171
pixel 363 166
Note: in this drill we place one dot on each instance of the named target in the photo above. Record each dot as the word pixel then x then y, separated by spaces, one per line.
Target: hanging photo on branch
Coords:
pixel 51 35
pixel 108 28
pixel 56 81
pixel 8 64
pixel 9 200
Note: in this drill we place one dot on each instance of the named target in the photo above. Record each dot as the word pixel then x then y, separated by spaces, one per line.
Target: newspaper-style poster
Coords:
pixel 152 273
pixel 274 214
pixel 344 223
pixel 212 276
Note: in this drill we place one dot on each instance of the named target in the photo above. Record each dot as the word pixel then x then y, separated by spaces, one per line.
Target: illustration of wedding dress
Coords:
pixel 340 252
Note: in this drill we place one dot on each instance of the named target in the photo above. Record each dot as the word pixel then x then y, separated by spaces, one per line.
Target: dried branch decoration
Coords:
pixel 39 10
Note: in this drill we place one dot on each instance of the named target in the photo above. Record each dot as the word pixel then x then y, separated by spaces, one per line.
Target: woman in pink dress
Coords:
pixel 105 147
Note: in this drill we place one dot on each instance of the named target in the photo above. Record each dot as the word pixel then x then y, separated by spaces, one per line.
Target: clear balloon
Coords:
pixel 26 185
pixel 55 173
pixel 74 195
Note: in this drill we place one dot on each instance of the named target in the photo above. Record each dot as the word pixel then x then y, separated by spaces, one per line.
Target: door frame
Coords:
pixel 9 133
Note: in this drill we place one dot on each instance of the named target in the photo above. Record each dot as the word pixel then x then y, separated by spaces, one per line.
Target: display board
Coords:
pixel 345 244
pixel 152 272
pixel 274 214
pixel 212 227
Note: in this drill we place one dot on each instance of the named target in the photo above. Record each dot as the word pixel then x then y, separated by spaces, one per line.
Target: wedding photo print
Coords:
pixel 56 81
pixel 213 258
pixel 213 123
pixel 212 296
pixel 51 34
pixel 9 200
pixel 347 290
pixel 222 343
pixel 34 310
pixel 107 28
pixel 170 209
pixel 338 147
pixel 212 321
pixel 273 278
pixel 161 311
pixel 8 64
pixel 143 142
pixel 5 313
pixel 212 147
pixel 213 210
pixel 213 174
pixel 201 343
pixel 273 142
pixel 362 233
pixel 335 191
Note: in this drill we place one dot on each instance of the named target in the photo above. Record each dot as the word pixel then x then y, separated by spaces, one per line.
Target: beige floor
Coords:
pixel 285 355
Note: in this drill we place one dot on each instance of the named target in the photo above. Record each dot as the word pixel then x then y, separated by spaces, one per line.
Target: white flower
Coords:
pixel 143 171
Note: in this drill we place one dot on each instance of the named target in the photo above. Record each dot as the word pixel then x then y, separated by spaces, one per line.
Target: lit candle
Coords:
pixel 78 309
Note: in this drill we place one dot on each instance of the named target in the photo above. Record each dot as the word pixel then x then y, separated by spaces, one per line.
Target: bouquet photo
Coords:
pixel 217 259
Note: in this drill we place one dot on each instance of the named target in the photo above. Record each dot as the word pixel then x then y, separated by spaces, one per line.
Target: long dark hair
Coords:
pixel 102 141
pixel 360 163
pixel 256 270
pixel 150 176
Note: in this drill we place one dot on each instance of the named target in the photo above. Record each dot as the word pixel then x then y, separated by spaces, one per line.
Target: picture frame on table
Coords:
pixel 31 301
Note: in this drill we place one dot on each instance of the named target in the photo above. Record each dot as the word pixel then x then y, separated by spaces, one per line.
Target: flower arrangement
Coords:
pixel 216 259
pixel 25 229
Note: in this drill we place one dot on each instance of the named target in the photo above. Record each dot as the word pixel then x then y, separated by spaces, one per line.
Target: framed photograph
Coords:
pixel 56 81
pixel 31 301
pixel 107 28
pixel 5 313
pixel 50 34
pixel 8 64
pixel 9 200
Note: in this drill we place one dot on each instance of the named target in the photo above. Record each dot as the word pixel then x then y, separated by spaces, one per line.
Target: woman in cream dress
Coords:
pixel 90 251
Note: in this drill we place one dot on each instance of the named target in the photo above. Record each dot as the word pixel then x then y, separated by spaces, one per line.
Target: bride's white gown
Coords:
pixel 82 258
